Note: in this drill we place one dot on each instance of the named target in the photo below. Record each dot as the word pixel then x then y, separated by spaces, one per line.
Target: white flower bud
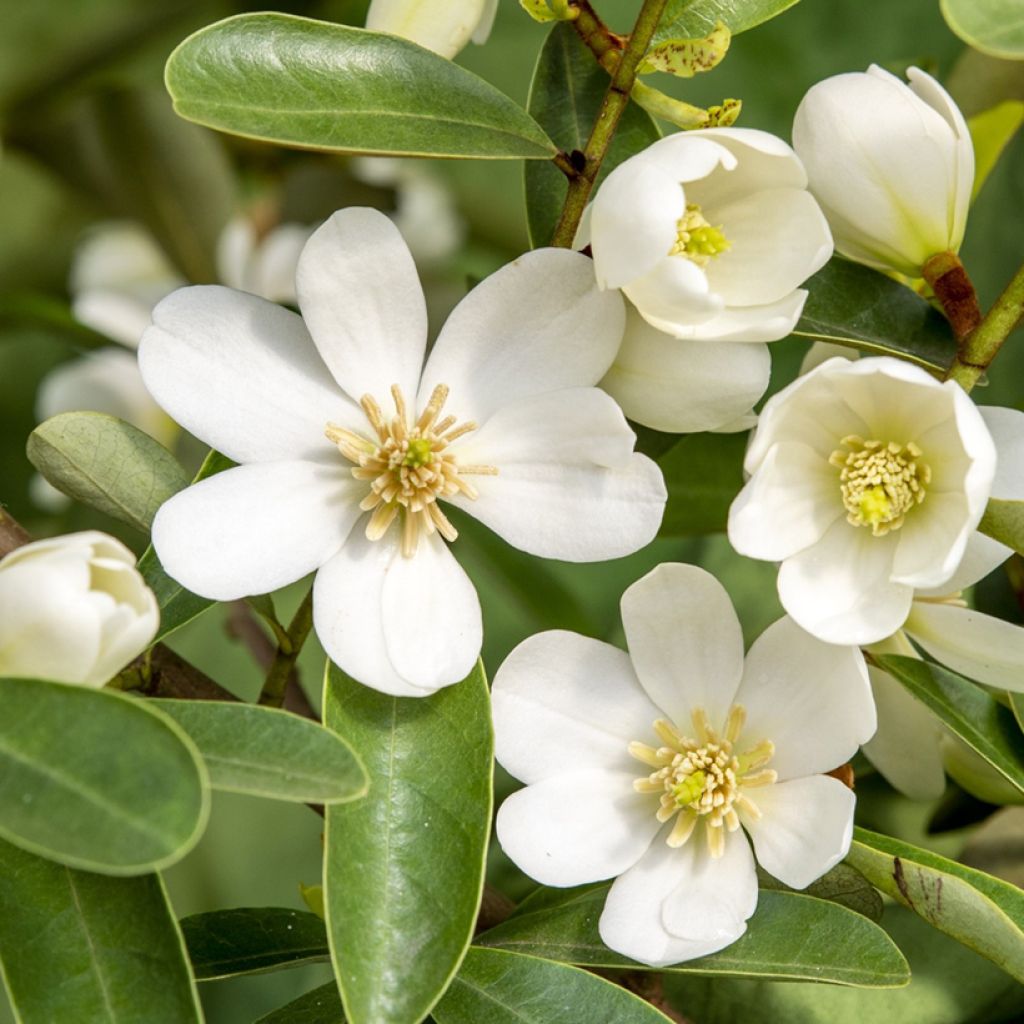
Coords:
pixel 444 26
pixel 74 609
pixel 891 164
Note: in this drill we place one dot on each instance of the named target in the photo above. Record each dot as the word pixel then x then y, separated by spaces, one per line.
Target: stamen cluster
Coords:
pixel 697 239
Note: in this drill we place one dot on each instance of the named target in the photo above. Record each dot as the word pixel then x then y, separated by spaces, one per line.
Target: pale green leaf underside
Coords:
pixel 692 19
pixel 995 27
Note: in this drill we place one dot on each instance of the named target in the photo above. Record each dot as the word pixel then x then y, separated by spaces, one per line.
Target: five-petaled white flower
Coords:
pixel 444 26
pixel 868 479
pixel 349 443
pixel 73 609
pixel 644 766
pixel 891 164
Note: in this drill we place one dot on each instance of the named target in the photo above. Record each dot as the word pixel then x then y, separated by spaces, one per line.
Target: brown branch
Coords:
pixel 495 907
pixel 955 293
pixel 12 534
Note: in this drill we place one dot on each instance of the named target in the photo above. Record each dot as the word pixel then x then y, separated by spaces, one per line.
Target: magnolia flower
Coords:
pixel 709 234
pixel 644 766
pixel 444 26
pixel 349 443
pixel 73 609
pixel 891 164
pixel 868 479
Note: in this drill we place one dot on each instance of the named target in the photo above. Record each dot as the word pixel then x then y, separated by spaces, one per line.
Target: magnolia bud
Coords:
pixel 73 609
pixel 444 26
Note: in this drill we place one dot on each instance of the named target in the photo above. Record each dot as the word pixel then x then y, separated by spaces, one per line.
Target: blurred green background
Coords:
pixel 75 150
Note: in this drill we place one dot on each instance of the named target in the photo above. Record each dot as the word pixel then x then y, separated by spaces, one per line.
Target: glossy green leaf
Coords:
pixel 565 95
pixel 252 940
pixel 107 464
pixel 320 1006
pixel 703 474
pixel 790 937
pixel 1004 521
pixel 842 884
pixel 403 869
pixel 96 780
pixel 500 987
pixel 995 27
pixel 970 712
pixel 79 947
pixel 270 753
pixel 864 309
pixel 991 132
pixel 318 85
pixel 691 19
pixel 178 605
pixel 982 912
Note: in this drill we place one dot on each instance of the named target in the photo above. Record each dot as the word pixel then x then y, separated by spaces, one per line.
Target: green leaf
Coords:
pixel 971 713
pixel 96 780
pixel 1004 522
pixel 318 85
pixel 82 947
pixel 984 913
pixel 500 987
pixel 320 1006
pixel 842 884
pixel 995 27
pixel 178 605
pixel 703 474
pixel 685 58
pixel 106 464
pixel 690 19
pixel 566 93
pixel 991 132
pixel 252 940
pixel 864 309
pixel 790 937
pixel 267 752
pixel 403 869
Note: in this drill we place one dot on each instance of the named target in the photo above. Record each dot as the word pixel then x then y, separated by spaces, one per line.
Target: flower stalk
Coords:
pixel 288 651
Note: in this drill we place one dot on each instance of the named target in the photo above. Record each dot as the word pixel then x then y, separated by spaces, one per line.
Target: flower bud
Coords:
pixel 444 26
pixel 73 609
pixel 891 164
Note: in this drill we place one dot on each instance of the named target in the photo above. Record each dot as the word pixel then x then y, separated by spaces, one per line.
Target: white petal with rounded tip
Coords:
pixel 431 616
pixel 787 505
pixel 275 262
pixel 932 541
pixel 255 528
pixel 235 247
pixel 682 386
pixel 741 323
pixel 483 29
pixel 439 25
pixel 982 556
pixel 762 161
pixel 360 296
pixel 347 612
pixel 812 700
pixel 242 375
pixel 563 702
pixel 821 351
pixel 568 485
pixel 121 317
pixel 576 828
pixel 685 642
pixel 633 921
pixel 1007 429
pixel 905 748
pixel 688 157
pixel 676 290
pixel 805 828
pixel 539 324
pixel 840 589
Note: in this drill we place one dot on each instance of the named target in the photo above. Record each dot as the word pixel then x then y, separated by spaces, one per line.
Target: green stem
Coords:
pixel 615 101
pixel 983 344
pixel 276 682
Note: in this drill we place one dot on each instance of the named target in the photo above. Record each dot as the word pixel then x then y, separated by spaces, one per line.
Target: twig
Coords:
pixel 283 664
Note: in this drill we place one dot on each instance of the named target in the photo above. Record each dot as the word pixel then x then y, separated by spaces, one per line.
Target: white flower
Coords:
pixel 444 26
pixel 709 233
pixel 716 744
pixel 263 266
pixel 73 609
pixel 868 479
pixel 347 441
pixel 891 164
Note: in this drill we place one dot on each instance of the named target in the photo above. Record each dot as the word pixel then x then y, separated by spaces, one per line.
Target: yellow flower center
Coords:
pixel 696 239
pixel 408 467
pixel 702 779
pixel 880 483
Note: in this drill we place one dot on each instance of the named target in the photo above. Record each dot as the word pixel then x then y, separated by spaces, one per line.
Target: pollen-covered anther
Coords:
pixel 702 778
pixel 408 466
pixel 880 482
pixel 697 239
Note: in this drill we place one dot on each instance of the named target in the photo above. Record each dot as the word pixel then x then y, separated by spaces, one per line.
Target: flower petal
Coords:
pixel 1007 429
pixel 537 325
pixel 675 291
pixel 741 323
pixel 682 386
pixel 805 828
pixel 255 528
pixel 685 642
pixel 577 828
pixel 242 375
pixel 563 702
pixel 933 540
pixel 431 616
pixel 812 700
pixel 982 556
pixel 568 485
pixel 361 298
